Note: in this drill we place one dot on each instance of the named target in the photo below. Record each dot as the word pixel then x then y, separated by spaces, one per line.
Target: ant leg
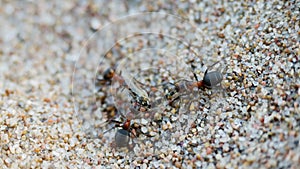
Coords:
pixel 123 117
pixel 223 91
pixel 137 129
pixel 148 134
pixel 115 121
pixel 193 69
pixel 130 130
pixel 196 75
pixel 109 129
pixel 206 72
pixel 214 64
pixel 100 82
pixel 210 67
pixel 172 101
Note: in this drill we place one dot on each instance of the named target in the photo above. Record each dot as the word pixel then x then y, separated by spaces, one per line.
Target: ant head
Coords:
pixel 108 73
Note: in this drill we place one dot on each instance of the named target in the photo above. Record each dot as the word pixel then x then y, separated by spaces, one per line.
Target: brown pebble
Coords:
pixel 47 100
pixel 178 164
pixel 221 35
pixel 208 150
pixel 257 26
pixel 198 157
pixel 287 51
pixel 8 92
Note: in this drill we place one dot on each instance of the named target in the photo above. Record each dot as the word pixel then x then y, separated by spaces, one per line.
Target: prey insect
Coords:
pixel 140 100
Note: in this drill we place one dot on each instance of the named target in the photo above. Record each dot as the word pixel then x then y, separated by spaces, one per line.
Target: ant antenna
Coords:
pixel 213 64
pixel 114 121
pixel 122 116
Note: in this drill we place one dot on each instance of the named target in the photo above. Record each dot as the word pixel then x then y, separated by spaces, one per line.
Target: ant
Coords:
pixel 211 79
pixel 108 76
pixel 122 135
pixel 127 128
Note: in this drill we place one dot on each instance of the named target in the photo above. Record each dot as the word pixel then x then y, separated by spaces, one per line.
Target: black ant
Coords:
pixel 122 135
pixel 108 76
pixel 127 128
pixel 210 80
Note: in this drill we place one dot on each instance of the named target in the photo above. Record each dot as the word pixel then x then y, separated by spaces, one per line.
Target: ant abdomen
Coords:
pixel 212 79
pixel 122 138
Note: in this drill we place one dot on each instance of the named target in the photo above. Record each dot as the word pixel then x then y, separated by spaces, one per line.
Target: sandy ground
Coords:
pixel 55 115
